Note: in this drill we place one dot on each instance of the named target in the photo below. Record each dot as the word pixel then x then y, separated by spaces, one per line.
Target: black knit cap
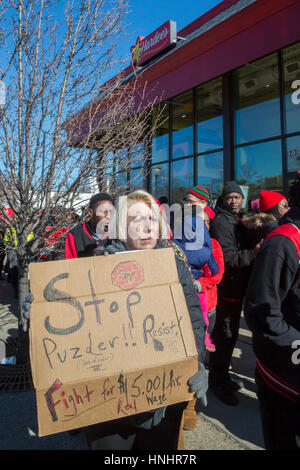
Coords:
pixel 232 187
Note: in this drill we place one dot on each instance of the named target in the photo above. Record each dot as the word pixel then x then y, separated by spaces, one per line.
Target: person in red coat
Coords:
pixel 209 283
pixel 209 288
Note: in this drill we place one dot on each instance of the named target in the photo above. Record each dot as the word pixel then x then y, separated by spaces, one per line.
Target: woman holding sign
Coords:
pixel 139 225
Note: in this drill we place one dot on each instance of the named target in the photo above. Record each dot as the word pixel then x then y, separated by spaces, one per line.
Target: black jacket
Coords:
pixel 227 229
pixel 80 242
pixel 272 304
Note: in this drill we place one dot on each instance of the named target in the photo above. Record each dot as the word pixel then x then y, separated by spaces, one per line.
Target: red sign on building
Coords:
pixel 147 48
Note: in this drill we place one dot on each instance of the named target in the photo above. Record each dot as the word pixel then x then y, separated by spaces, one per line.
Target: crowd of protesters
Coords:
pixel 228 262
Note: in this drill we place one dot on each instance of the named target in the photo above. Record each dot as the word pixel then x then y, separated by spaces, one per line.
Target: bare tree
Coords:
pixel 54 64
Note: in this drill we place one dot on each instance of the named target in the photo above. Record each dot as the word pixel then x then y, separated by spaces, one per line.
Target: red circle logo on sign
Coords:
pixel 127 275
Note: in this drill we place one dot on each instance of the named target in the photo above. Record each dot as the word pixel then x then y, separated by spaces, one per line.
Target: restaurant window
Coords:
pixel 209 99
pixel 259 167
pixel 137 179
pixel 182 125
pixel 121 179
pixel 257 102
pixel 137 155
pixel 121 168
pixel 182 179
pixel 293 153
pixel 159 180
pixel 291 74
pixel 210 172
pixel 160 139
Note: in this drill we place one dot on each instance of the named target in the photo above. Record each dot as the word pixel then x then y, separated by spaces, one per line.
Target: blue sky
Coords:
pixel 146 16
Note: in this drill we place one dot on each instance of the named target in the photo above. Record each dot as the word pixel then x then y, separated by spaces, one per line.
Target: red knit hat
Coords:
pixel 269 199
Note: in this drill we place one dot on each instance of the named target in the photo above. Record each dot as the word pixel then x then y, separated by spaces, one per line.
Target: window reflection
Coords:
pixel 291 71
pixel 257 104
pixel 120 179
pixel 260 167
pixel 209 116
pixel 293 153
pixel 137 155
pixel 210 172
pixel 159 180
pixel 108 170
pixel 182 179
pixel 182 121
pixel 121 159
pixel 160 140
pixel 136 179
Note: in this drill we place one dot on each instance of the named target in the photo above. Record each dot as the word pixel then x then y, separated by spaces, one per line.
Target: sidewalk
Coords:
pixel 219 427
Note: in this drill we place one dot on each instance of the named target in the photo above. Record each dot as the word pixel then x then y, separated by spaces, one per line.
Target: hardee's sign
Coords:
pixel 147 48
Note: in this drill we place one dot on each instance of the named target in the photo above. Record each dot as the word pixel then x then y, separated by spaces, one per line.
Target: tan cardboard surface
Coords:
pixel 109 336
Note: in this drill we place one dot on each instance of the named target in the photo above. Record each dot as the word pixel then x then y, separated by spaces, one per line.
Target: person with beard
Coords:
pixel 84 238
pixel 272 313
pixel 227 229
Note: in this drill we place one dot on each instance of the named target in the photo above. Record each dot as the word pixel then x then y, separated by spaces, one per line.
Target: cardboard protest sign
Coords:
pixel 110 336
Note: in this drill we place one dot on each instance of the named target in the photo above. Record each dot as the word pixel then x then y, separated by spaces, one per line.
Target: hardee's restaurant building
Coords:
pixel 231 84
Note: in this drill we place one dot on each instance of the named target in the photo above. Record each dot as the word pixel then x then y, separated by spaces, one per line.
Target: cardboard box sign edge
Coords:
pixel 163 258
pixel 189 365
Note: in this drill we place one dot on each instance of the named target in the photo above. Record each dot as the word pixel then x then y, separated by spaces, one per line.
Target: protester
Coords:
pixel 197 246
pixel 82 239
pixel 226 228
pixel 59 224
pixel 196 243
pixel 209 283
pixel 140 225
pixel 273 315
pixel 273 203
pixel 258 226
pixel 198 195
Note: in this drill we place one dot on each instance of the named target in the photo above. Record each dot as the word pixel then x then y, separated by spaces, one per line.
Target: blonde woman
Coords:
pixel 138 224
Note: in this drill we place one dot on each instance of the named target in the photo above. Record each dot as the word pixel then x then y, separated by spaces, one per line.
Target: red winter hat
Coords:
pixel 269 199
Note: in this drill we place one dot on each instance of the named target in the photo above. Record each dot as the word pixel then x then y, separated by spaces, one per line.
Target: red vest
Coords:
pixel 290 231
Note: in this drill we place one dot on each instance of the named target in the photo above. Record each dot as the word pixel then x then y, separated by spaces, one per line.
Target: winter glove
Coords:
pixel 99 250
pixel 199 384
pixel 26 306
